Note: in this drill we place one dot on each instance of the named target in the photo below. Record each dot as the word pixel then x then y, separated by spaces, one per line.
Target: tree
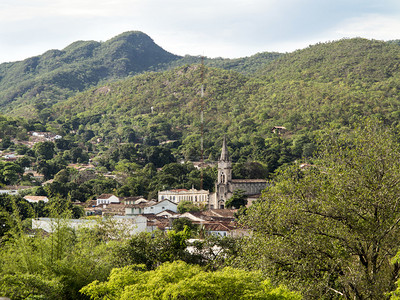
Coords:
pixel 10 172
pixel 178 280
pixel 159 156
pixel 249 170
pixel 179 224
pixel 52 267
pixel 237 200
pixel 44 150
pixel 187 206
pixel 333 229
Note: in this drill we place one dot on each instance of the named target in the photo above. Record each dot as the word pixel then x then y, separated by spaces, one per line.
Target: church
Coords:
pixel 225 185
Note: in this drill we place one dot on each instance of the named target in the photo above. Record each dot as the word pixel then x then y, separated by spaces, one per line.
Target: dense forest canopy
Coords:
pixel 29 86
pixel 329 84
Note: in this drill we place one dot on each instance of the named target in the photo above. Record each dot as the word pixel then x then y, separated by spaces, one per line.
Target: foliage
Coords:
pixel 178 280
pixel 332 229
pixel 55 266
pixel 187 206
pixel 180 224
pixel 151 251
pixel 237 200
pixel 249 170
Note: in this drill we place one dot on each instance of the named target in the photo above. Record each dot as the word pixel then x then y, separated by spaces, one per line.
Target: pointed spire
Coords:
pixel 224 152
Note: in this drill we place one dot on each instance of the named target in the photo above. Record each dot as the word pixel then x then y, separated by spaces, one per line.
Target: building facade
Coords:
pixel 192 195
pixel 225 185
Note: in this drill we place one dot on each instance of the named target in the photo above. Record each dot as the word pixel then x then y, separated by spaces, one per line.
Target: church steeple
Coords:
pixel 224 152
pixel 223 185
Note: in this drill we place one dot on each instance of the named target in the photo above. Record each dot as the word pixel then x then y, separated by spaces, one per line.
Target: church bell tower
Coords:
pixel 223 186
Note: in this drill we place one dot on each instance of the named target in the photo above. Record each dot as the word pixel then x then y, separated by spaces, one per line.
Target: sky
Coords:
pixel 213 28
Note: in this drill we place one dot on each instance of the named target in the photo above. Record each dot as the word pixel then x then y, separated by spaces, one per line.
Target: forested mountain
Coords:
pixel 33 84
pixel 326 85
pixel 245 65
pixel 331 84
pixel 57 74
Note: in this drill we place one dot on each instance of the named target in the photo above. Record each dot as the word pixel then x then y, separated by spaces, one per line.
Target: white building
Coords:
pixel 178 195
pixel 131 225
pixel 107 199
pixel 150 207
pixel 36 199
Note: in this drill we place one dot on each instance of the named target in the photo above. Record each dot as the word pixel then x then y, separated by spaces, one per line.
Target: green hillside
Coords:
pixel 326 85
pixel 36 83
pixel 43 80
pixel 244 65
pixel 332 83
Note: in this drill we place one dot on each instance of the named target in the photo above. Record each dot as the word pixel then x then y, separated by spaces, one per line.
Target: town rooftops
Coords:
pixel 147 204
pixel 248 180
pixel 36 199
pixel 222 213
pixel 105 196
pixel 218 227
pixel 142 204
pixel 177 190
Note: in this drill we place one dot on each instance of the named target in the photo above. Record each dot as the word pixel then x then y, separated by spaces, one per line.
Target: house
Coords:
pixel 278 129
pixel 133 200
pixel 9 192
pixel 45 136
pixel 252 198
pixel 130 225
pixel 228 214
pixel 150 207
pixel 14 190
pixel 211 215
pixel 107 199
pixel 93 211
pixel 218 229
pixel 196 217
pixel 168 214
pixel 10 157
pixel 36 199
pixel 113 209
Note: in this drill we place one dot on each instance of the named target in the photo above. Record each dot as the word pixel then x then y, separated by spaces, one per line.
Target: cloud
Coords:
pixel 371 26
pixel 214 28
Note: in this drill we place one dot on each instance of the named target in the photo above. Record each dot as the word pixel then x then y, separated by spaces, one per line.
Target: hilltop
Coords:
pixel 57 74
pixel 36 83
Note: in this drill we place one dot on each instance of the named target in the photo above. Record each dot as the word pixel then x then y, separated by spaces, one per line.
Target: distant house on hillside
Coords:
pixel 36 199
pixel 44 136
pixel 278 129
pixel 107 199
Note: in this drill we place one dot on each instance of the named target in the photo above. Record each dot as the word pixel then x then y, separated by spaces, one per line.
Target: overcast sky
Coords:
pixel 214 28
